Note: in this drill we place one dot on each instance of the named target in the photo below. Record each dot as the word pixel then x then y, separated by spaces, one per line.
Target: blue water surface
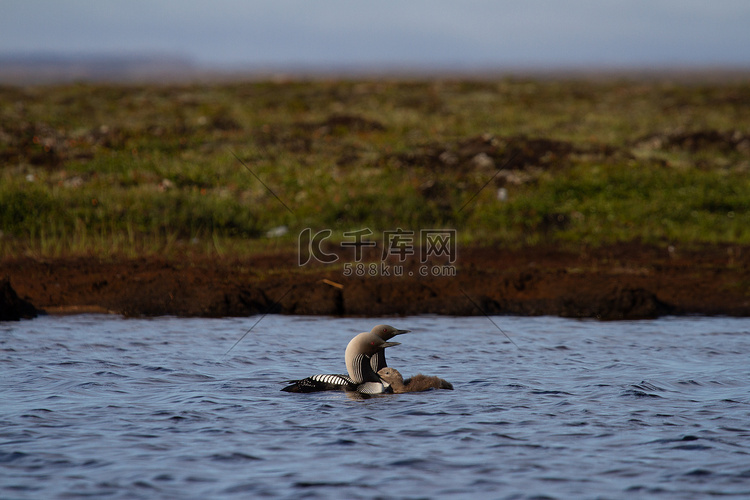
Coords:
pixel 96 406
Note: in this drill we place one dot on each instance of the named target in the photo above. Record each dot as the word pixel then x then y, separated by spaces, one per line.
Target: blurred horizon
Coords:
pixel 41 37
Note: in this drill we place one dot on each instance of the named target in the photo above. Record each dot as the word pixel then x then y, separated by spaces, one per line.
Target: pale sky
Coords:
pixel 389 33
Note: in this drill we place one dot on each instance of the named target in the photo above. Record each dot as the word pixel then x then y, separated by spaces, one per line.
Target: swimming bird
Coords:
pixel 361 378
pixel 417 383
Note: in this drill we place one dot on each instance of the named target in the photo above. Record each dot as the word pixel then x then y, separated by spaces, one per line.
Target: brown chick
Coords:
pixel 417 383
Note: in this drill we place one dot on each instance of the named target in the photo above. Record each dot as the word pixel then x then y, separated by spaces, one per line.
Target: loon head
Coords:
pixel 387 332
pixel 368 344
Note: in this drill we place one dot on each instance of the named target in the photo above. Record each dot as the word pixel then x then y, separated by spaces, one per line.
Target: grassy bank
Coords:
pixel 103 169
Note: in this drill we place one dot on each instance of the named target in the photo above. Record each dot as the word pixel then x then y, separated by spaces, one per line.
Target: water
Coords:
pixel 103 407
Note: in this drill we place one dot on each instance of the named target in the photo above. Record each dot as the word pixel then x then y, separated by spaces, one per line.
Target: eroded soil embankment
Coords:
pixel 616 282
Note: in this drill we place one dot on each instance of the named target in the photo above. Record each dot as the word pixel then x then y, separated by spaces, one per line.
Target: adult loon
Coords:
pixel 361 376
pixel 417 383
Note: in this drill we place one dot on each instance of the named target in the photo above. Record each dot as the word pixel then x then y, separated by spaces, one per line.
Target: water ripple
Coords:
pixel 102 407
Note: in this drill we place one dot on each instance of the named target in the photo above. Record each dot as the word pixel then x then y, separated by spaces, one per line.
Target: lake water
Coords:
pixel 97 406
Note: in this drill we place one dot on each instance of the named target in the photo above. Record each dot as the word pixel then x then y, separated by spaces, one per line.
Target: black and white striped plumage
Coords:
pixel 321 382
pixel 360 370
pixel 335 382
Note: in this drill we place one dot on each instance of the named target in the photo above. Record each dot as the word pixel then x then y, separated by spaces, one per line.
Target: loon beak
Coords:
pixel 399 332
pixel 390 344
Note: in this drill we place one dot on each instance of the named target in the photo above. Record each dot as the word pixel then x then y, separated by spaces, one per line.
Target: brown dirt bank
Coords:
pixel 626 281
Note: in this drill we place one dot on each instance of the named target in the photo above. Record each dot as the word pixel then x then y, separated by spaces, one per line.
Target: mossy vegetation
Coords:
pixel 215 168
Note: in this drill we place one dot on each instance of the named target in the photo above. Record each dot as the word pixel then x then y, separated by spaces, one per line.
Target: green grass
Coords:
pixel 108 169
pixel 596 205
